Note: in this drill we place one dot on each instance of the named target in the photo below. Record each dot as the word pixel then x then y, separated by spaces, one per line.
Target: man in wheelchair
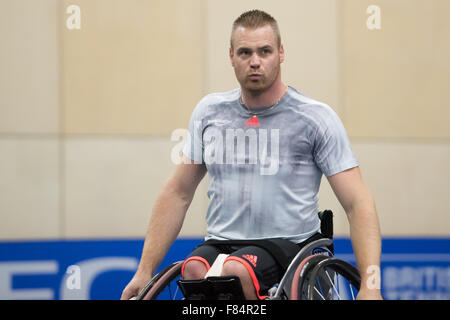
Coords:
pixel 265 147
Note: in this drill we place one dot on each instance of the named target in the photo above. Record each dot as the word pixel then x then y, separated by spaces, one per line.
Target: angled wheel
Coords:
pixel 331 279
pixel 163 286
pixel 317 247
pixel 301 276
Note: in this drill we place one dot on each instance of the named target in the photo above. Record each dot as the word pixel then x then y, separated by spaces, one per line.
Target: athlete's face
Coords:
pixel 256 58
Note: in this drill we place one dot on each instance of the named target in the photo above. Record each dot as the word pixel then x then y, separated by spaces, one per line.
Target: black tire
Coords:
pixel 301 276
pixel 332 279
pixel 165 279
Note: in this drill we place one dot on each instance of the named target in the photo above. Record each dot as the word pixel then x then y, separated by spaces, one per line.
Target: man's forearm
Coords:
pixel 366 242
pixel 164 226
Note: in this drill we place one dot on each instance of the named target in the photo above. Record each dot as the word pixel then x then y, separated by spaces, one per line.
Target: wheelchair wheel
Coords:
pixel 315 248
pixel 163 286
pixel 301 275
pixel 331 279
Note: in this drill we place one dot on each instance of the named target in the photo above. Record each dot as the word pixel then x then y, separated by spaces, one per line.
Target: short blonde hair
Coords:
pixel 256 19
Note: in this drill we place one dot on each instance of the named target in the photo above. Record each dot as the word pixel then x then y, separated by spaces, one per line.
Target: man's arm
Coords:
pixel 360 208
pixel 166 221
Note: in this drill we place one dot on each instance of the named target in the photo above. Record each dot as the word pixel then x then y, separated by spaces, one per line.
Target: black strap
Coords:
pixel 326 223
pixel 273 246
pixel 268 245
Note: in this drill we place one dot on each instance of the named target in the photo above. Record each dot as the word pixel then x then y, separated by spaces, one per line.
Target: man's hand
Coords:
pixel 135 286
pixel 369 294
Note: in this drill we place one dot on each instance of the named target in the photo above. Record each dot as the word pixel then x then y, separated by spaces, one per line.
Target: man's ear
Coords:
pixel 231 56
pixel 281 51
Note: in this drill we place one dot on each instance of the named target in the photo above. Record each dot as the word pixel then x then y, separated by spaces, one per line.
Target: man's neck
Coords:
pixel 255 99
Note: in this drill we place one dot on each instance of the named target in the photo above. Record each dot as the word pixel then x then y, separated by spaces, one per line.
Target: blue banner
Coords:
pixel 411 269
pixel 99 269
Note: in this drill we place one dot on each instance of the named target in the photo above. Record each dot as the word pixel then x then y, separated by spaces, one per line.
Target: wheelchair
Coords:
pixel 313 274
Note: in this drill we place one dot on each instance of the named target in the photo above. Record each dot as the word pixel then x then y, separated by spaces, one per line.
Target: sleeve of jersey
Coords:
pixel 193 147
pixel 333 153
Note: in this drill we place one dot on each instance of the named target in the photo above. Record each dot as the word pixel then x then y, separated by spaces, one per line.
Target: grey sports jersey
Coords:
pixel 265 173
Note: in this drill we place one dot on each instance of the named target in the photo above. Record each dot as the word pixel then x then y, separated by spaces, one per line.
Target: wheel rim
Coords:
pixel 333 279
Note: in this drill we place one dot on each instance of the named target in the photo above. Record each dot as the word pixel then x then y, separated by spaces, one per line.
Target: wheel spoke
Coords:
pixel 332 284
pixel 351 290
pixel 175 295
pixel 319 293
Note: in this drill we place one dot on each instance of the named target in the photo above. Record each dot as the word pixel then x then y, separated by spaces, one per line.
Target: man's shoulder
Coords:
pixel 315 110
pixel 209 103
pixel 221 97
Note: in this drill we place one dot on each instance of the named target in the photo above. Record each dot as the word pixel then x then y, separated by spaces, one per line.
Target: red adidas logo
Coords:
pixel 250 258
pixel 253 122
